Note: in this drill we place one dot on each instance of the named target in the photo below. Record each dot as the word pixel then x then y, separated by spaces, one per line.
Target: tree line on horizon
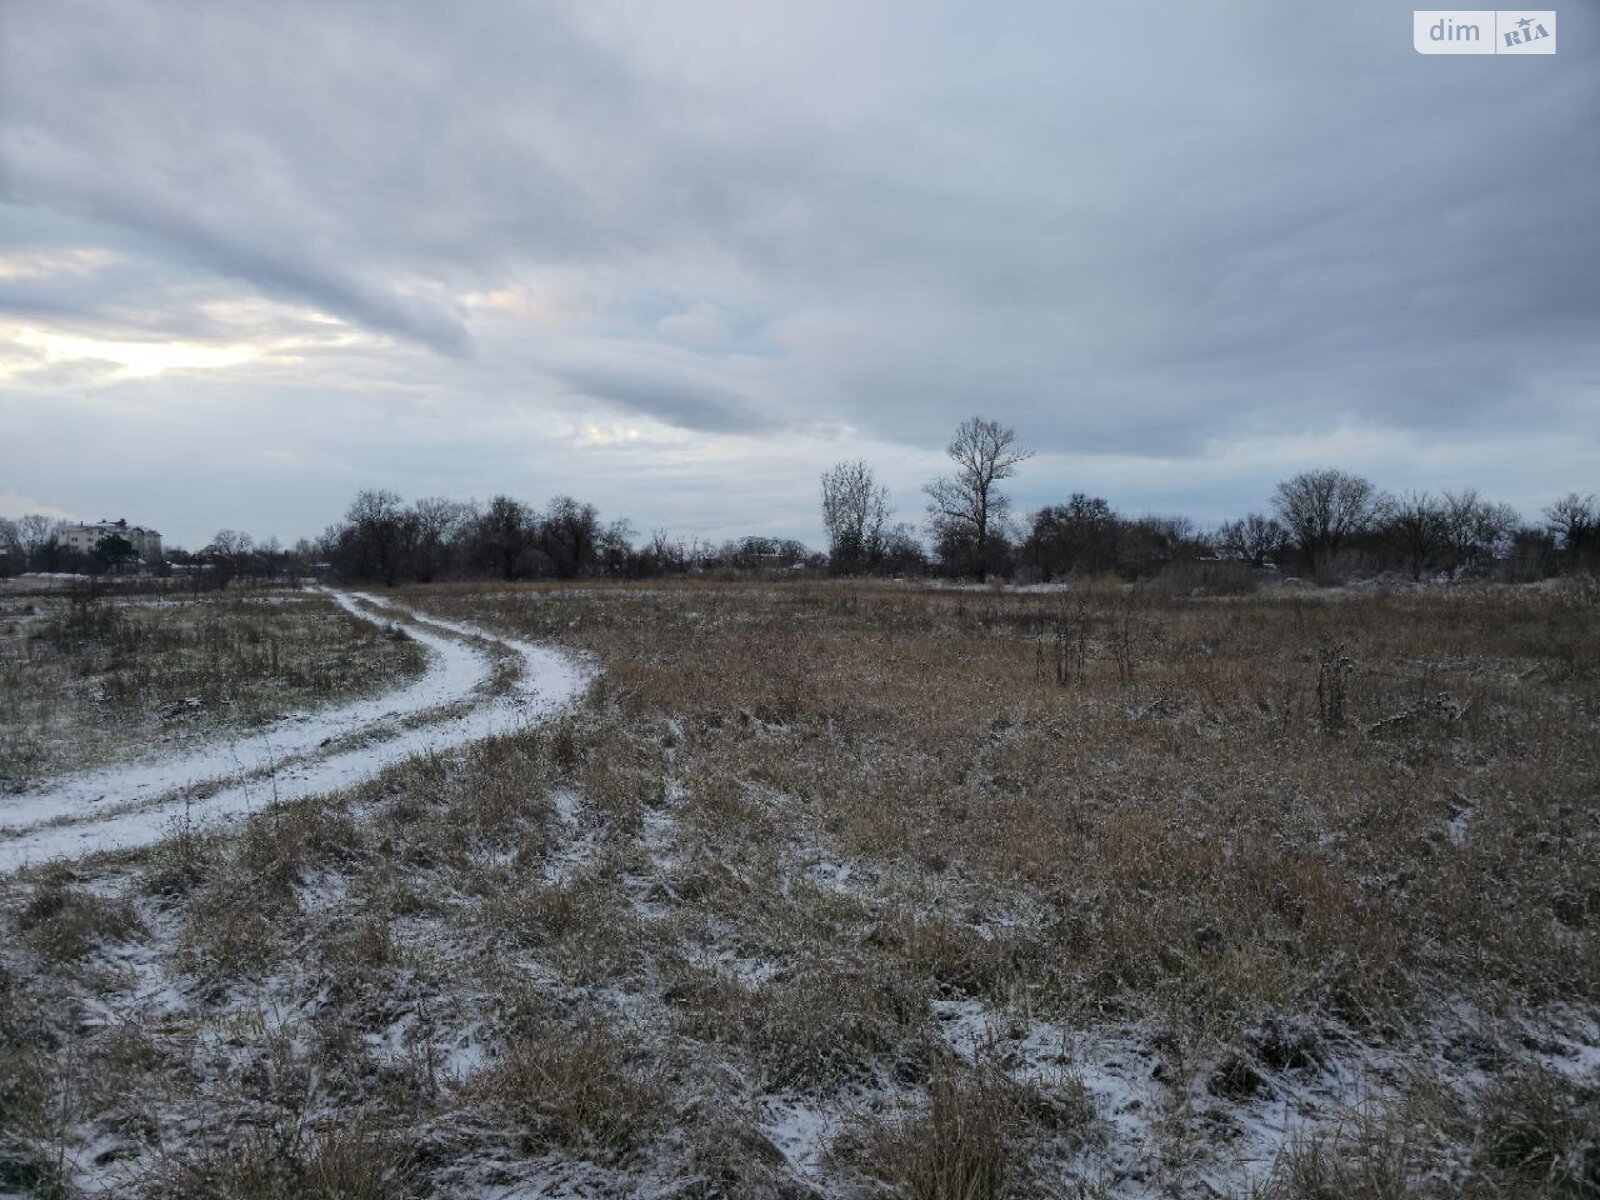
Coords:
pixel 1329 523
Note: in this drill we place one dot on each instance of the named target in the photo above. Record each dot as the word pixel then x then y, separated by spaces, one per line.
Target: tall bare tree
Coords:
pixel 1575 520
pixel 502 535
pixel 569 534
pixel 968 505
pixel 1323 508
pixel 1254 538
pixel 440 524
pixel 1475 530
pixel 1416 522
pixel 379 531
pixel 36 538
pixel 855 511
pixel 229 555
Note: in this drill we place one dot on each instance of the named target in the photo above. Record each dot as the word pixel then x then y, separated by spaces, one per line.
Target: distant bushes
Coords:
pixel 1206 577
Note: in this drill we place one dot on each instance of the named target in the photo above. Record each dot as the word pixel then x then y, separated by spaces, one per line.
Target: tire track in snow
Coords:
pixel 136 805
pixel 452 673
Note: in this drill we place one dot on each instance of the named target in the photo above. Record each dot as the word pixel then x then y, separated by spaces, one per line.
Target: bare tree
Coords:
pixel 1323 508
pixel 665 554
pixel 1474 529
pixel 967 505
pixel 229 554
pixel 440 524
pixel 502 536
pixel 569 535
pixel 36 536
pixel 274 559
pixel 1148 542
pixel 1078 536
pixel 377 537
pixel 1575 520
pixel 1255 538
pixel 855 511
pixel 1417 524
pixel 903 552
pixel 615 555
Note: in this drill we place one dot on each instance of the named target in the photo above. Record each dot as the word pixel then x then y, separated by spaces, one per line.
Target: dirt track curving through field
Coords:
pixel 462 696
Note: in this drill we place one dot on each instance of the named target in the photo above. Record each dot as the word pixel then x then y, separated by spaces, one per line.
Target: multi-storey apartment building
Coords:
pixel 84 538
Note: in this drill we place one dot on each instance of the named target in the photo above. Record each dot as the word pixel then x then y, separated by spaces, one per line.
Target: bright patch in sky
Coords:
pixel 127 360
pixel 42 264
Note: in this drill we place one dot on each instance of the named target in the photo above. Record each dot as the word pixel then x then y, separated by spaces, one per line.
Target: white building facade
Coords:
pixel 84 538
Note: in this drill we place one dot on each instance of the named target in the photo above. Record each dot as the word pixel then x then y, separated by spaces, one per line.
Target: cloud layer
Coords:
pixel 676 259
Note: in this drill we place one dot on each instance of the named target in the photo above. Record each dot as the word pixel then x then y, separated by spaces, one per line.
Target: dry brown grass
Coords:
pixel 967 1143
pixel 84 683
pixel 1529 1132
pixel 334 1162
pixel 796 828
pixel 64 922
pixel 1540 1131
pixel 1195 832
pixel 574 1089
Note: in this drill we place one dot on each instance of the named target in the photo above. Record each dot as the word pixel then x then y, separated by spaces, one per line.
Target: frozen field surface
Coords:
pixel 453 703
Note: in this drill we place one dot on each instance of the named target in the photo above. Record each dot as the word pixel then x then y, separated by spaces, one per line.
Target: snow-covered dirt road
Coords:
pixel 452 703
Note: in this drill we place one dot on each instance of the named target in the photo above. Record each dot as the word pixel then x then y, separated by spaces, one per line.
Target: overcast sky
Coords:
pixel 677 258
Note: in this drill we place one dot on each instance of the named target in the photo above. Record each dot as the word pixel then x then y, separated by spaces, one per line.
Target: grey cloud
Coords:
pixel 1270 221
pixel 670 396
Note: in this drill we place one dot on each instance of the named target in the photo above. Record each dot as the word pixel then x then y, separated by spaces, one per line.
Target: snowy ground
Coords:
pixel 452 704
pixel 710 934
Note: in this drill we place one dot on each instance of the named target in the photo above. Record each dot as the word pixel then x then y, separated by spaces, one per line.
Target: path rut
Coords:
pixel 448 706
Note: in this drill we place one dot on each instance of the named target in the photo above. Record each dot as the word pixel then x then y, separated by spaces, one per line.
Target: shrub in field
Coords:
pixel 1541 1130
pixel 1204 578
pixel 1333 687
pixel 1377 1163
pixel 576 1089
pixel 60 921
pixel 337 1161
pixel 967 1143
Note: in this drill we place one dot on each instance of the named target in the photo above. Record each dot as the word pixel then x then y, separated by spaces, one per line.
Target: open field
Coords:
pixel 872 890
pixel 92 683
pixel 476 684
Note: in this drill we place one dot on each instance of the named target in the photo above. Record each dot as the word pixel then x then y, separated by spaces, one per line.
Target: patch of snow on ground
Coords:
pixel 139 807
pixel 801 1131
pixel 579 844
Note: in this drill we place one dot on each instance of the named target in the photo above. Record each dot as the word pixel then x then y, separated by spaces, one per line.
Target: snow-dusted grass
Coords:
pixel 470 690
pixel 113 680
pixel 833 890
